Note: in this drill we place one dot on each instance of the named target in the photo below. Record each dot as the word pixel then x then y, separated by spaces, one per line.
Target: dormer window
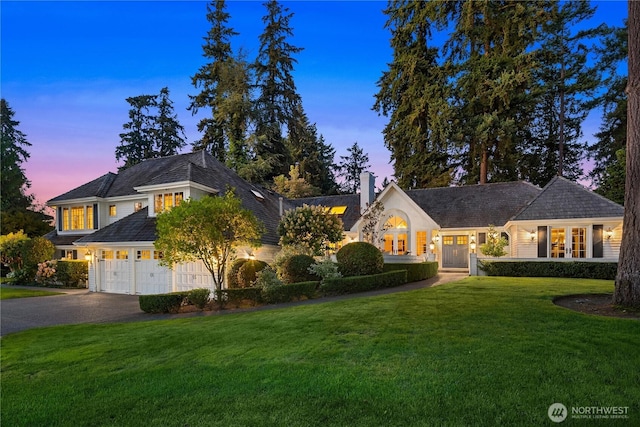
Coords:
pixel 164 202
pixel 76 218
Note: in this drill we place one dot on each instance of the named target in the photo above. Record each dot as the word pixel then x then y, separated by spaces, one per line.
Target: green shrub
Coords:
pixel 415 271
pixel 291 292
pixel 72 273
pixel 236 297
pixel 359 259
pixel 34 252
pixel 296 269
pixel 349 285
pixel 199 297
pixel 232 273
pixel 569 269
pixel 325 269
pixel 165 303
pixel 267 278
pixel 247 272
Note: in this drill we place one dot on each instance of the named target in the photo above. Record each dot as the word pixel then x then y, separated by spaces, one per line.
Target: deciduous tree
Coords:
pixel 207 230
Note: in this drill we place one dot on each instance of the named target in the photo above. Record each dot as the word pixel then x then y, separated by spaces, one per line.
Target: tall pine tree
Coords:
pixel 214 81
pixel 350 168
pixel 414 93
pixel 277 99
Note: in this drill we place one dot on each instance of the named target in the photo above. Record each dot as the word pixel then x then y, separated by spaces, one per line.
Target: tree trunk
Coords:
pixel 627 290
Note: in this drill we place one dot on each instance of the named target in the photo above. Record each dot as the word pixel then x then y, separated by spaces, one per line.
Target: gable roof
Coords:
pixel 96 188
pixel 474 205
pixel 564 199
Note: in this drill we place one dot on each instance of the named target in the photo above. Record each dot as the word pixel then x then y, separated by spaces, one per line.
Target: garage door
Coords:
pixel 151 277
pixel 114 271
pixel 192 275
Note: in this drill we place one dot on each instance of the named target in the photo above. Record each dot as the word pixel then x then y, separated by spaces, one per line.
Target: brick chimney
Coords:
pixel 367 190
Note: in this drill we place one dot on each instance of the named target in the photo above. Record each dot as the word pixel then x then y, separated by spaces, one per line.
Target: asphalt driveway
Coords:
pixel 81 306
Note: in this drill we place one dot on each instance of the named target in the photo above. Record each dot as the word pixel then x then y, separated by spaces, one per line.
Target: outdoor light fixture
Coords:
pixel 532 234
pixel 437 238
pixel 609 233
pixel 88 256
pixel 432 246
pixel 472 244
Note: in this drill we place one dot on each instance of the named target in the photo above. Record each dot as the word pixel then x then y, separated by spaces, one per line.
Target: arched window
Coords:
pixel 395 222
pixel 396 236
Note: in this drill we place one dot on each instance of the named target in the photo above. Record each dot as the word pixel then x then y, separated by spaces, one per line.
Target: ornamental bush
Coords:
pixel 247 272
pixel 325 269
pixel 72 273
pixel 311 226
pixel 232 273
pixel 359 259
pixel 198 297
pixel 415 271
pixel 295 269
pixel 35 251
pixel 350 285
pixel 165 303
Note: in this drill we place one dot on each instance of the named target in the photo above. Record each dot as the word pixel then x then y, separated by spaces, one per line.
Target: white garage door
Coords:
pixel 193 275
pixel 114 271
pixel 151 277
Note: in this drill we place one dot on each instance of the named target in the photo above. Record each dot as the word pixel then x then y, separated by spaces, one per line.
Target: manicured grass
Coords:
pixel 8 293
pixel 483 351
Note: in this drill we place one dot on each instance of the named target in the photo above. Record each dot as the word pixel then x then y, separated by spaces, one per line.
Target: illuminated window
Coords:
pixel 158 255
pixel 178 198
pixel 112 210
pixel 137 206
pixel 158 203
pixel 395 222
pixel 337 210
pixel 164 202
pixel 447 240
pixel 106 254
pixel 462 240
pixel 89 224
pixel 122 255
pixel 143 254
pixel 66 219
pixel 168 201
pixel 77 218
pixel 421 242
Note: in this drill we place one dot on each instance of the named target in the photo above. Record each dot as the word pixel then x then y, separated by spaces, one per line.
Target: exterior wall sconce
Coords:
pixel 436 238
pixel 532 234
pixel 472 244
pixel 88 256
pixel 609 233
pixel 432 246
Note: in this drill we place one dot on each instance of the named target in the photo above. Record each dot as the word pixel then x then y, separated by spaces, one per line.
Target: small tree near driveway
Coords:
pixel 208 229
pixel 310 226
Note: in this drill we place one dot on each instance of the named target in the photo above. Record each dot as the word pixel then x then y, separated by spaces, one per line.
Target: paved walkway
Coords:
pixel 81 306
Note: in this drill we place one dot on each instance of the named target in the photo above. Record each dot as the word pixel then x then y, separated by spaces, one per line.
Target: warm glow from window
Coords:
pixel 89 224
pixel 178 198
pixel 144 254
pixel 66 219
pixel 337 210
pixel 77 218
pixel 122 255
pixel 112 210
pixel 421 241
pixel 164 202
pixel 158 255
pixel 107 254
pixel 396 222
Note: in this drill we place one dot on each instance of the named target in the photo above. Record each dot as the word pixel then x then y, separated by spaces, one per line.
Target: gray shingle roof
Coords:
pixel 96 188
pixel 563 199
pixel 351 201
pixel 474 205
pixel 137 227
pixel 62 239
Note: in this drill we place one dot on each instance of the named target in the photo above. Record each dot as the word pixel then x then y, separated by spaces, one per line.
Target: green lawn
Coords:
pixel 483 351
pixel 8 293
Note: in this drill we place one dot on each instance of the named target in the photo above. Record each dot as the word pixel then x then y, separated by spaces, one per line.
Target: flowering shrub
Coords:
pixel 311 226
pixel 46 274
pixel 325 269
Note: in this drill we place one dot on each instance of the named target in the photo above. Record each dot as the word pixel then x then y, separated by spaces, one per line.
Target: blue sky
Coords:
pixel 67 68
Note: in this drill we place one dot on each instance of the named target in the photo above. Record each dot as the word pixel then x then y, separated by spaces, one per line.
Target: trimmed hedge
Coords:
pixel 295 269
pixel 163 303
pixel 235 297
pixel 570 269
pixel 349 285
pixel 415 271
pixel 291 292
pixel 359 259
pixel 232 272
pixel 72 274
pixel 247 272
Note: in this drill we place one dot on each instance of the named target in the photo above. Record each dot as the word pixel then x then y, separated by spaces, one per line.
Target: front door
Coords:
pixel 569 242
pixel 455 251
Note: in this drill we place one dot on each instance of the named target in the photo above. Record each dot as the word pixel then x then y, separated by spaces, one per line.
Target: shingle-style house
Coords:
pixel 111 221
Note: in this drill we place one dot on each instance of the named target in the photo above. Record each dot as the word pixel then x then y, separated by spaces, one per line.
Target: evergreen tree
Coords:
pixel 137 143
pixel 311 154
pixel 16 206
pixel 350 168
pixel 14 153
pixel 213 78
pixel 414 94
pixel 236 108
pixel 277 99
pixel 612 136
pixel 566 84
pixel 169 133
pixel 153 130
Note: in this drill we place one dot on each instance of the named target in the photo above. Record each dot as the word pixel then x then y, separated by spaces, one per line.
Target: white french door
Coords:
pixel 568 242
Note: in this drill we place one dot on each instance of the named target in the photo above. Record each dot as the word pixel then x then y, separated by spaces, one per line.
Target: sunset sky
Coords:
pixel 67 68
